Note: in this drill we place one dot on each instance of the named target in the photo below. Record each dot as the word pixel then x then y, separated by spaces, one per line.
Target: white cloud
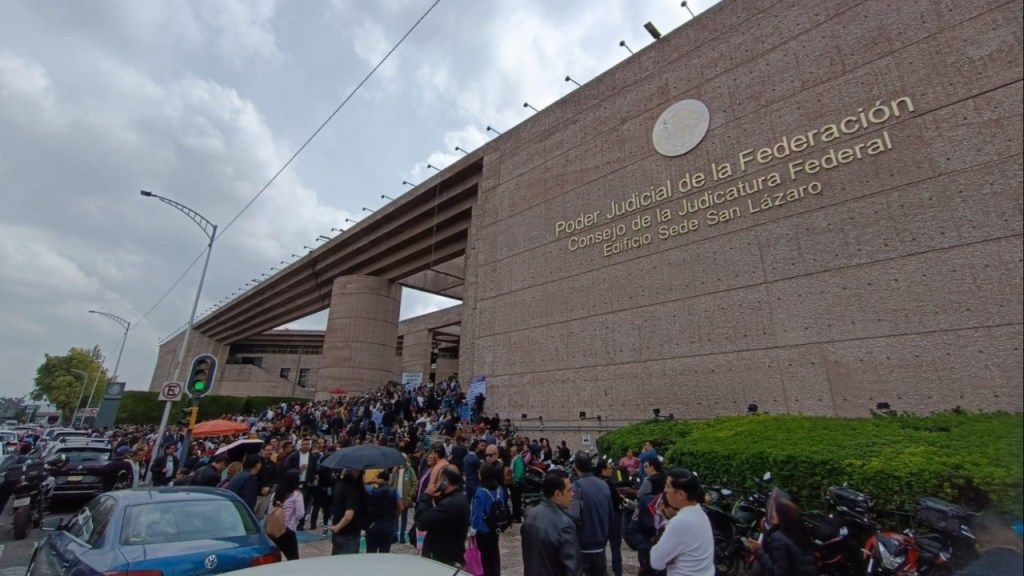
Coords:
pixel 204 101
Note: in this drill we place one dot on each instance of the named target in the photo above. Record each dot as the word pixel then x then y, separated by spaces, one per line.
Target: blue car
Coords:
pixel 185 531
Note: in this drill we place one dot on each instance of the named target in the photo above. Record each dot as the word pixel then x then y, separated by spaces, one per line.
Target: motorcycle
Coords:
pixel 890 553
pixel 30 496
pixel 730 551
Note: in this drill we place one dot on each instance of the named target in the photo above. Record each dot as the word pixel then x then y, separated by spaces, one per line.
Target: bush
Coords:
pixel 139 407
pixel 966 458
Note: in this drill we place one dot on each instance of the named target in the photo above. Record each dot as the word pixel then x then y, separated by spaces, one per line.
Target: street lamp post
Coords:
pixel 85 382
pixel 210 229
pixel 117 364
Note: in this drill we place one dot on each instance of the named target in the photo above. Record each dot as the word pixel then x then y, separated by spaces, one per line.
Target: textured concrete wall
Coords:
pixel 167 358
pixel 362 329
pixel 899 281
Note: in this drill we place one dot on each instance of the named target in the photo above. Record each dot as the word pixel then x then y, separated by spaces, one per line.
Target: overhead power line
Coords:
pixel 297 152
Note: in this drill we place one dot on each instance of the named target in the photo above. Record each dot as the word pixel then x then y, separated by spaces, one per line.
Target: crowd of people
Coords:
pixel 460 481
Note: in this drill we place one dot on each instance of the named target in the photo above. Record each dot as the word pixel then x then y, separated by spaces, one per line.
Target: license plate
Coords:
pixel 74 478
pixel 21 502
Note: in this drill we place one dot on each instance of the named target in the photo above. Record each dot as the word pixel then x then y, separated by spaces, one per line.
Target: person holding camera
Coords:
pixel 445 518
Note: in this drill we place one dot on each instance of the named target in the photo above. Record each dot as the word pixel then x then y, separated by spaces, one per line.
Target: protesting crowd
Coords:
pixel 460 486
pixel 454 488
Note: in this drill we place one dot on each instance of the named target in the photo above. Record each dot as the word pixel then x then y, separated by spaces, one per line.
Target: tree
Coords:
pixel 56 382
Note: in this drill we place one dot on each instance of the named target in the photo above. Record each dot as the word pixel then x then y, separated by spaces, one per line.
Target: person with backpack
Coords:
pixel 490 517
pixel 383 506
pixel 404 483
pixel 283 518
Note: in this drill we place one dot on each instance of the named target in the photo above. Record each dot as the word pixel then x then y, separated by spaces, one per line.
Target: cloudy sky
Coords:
pixel 204 101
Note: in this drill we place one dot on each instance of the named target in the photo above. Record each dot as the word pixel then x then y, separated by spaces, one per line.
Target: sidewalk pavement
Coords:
pixel 313 544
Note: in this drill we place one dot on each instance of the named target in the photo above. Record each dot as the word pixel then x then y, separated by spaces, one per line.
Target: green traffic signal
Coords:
pixel 200 380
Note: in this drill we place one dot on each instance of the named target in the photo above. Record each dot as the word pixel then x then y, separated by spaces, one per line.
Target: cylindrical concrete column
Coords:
pixel 362 330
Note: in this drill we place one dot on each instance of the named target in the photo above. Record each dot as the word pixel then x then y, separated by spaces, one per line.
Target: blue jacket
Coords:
pixel 482 502
pixel 591 511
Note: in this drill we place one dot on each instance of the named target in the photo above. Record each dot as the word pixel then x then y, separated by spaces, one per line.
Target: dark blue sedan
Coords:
pixel 186 531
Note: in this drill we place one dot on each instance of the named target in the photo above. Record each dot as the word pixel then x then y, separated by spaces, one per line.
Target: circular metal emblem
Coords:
pixel 210 562
pixel 681 127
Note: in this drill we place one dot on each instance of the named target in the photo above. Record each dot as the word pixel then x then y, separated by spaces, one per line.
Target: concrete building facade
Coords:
pixel 847 229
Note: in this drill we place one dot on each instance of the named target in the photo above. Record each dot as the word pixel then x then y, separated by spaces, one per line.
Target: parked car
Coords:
pixel 405 564
pixel 76 465
pixel 186 531
pixel 55 434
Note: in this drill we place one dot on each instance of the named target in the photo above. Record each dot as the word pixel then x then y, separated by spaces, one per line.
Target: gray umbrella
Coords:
pixel 363 457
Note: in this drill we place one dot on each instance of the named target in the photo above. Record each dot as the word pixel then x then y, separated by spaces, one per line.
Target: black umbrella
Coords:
pixel 363 457
pixel 239 448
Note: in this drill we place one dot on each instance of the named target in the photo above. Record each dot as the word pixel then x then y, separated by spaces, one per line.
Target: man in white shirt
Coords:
pixel 687 546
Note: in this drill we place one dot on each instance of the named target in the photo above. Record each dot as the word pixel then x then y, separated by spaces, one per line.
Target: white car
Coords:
pixel 404 564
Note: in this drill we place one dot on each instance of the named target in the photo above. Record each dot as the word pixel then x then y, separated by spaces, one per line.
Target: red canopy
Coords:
pixel 218 428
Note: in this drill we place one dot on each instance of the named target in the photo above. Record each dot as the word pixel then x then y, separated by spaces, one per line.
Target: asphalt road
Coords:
pixel 15 554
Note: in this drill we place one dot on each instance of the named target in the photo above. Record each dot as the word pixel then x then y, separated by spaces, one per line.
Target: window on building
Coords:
pixel 399 345
pixel 254 360
pixel 286 372
pixel 303 377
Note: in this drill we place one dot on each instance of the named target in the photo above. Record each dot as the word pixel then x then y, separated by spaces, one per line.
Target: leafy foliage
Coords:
pixel 972 459
pixel 56 383
pixel 139 407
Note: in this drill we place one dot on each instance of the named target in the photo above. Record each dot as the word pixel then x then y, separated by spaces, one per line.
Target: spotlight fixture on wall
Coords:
pixel 652 30
pixel 337 229
pixel 322 237
pixel 527 105
pixel 685 5
pixel 365 209
pixel 658 416
pixel 569 79
pixel 275 268
pixel 459 149
pixel 491 129
pixel 351 220
pixel 626 46
pixel 308 247
pixel 583 416
pixel 386 197
pixel 434 167
pixel 296 256
pixel 883 407
pixel 752 408
pixel 408 183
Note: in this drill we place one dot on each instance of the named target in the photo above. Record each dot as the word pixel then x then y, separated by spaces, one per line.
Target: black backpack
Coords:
pixel 498 518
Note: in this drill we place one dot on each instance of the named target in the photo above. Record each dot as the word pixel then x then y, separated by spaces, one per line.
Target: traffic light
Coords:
pixel 188 417
pixel 200 377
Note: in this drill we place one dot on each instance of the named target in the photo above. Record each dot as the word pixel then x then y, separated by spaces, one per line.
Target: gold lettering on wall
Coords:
pixel 683 205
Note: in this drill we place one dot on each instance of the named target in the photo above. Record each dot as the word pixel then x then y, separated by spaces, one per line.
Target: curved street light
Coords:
pixel 85 382
pixel 210 230
pixel 127 326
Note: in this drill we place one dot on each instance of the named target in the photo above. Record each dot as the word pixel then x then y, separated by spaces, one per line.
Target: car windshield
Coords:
pixel 183 521
pixel 82 455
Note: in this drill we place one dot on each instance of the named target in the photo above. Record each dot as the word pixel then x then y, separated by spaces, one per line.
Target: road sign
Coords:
pixel 170 392
pixel 91 412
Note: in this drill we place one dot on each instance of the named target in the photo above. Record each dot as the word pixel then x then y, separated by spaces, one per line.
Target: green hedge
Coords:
pixel 144 407
pixel 965 458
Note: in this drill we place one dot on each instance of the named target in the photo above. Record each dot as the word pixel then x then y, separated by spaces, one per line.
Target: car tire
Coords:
pixel 20 525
